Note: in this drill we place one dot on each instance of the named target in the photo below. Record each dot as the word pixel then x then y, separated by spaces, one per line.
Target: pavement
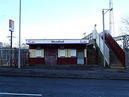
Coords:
pixel 85 73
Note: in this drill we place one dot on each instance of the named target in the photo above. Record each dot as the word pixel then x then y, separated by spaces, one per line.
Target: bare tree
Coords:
pixel 125 26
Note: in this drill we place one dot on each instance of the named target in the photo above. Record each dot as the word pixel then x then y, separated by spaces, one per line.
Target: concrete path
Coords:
pixel 100 73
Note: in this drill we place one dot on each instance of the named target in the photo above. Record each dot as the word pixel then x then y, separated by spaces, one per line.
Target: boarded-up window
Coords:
pixel 42 52
pixel 61 52
pixel 32 53
pixel 67 53
pixel 36 53
pixel 39 53
pixel 73 53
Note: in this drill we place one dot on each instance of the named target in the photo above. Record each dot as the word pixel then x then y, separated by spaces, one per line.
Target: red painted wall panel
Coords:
pixel 67 60
pixel 35 61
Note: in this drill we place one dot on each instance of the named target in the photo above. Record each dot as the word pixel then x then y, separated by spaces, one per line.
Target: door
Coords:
pixel 51 56
pixel 80 57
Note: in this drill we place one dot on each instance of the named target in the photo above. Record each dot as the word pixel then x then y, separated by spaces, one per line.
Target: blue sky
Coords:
pixel 58 19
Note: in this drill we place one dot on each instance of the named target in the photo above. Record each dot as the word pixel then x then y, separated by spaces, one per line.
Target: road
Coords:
pixel 61 87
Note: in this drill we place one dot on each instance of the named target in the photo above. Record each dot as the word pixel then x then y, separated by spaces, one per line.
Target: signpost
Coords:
pixel 11 29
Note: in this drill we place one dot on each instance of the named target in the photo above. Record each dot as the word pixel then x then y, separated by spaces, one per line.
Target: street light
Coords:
pixel 104 11
pixel 19 50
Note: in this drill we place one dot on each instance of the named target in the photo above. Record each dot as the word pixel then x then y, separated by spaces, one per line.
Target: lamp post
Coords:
pixel 19 50
pixel 104 11
pixel 85 50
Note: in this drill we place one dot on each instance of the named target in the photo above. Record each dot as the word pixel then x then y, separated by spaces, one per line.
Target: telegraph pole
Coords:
pixel 104 11
pixel 104 63
pixel 111 20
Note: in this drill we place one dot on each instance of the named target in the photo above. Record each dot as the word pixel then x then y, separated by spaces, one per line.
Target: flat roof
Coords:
pixel 56 41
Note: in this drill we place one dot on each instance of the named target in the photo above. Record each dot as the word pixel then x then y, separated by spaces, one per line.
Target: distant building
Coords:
pixel 1 44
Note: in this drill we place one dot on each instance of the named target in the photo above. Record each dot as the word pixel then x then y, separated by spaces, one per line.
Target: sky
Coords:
pixel 58 19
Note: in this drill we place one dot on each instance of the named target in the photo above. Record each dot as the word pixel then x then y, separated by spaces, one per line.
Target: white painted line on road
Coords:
pixel 21 94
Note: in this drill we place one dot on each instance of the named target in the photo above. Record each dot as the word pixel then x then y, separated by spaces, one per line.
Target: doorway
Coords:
pixel 80 57
pixel 51 56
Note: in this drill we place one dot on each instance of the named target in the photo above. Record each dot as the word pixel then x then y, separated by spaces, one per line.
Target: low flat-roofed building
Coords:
pixel 57 51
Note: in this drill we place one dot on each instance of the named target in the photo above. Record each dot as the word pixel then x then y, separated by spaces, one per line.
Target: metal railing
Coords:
pixel 102 45
pixel 89 36
pixel 9 57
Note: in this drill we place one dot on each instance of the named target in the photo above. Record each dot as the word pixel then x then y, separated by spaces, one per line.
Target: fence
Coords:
pixel 9 57
pixel 127 57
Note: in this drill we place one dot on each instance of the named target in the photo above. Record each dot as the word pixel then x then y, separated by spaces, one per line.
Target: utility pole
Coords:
pixel 111 20
pixel 104 11
pixel 104 63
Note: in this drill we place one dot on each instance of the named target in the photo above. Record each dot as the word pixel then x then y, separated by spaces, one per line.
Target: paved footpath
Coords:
pixel 101 73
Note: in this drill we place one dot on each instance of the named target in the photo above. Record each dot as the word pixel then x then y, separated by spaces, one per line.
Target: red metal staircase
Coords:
pixel 120 54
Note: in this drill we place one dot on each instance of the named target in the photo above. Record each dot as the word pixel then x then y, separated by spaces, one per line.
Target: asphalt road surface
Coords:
pixel 61 87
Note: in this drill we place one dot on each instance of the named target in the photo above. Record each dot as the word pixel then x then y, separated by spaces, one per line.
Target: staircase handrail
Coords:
pixel 89 36
pixel 102 45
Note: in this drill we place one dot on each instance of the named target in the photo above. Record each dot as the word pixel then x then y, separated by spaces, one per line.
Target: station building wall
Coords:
pixel 55 56
pixel 60 54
